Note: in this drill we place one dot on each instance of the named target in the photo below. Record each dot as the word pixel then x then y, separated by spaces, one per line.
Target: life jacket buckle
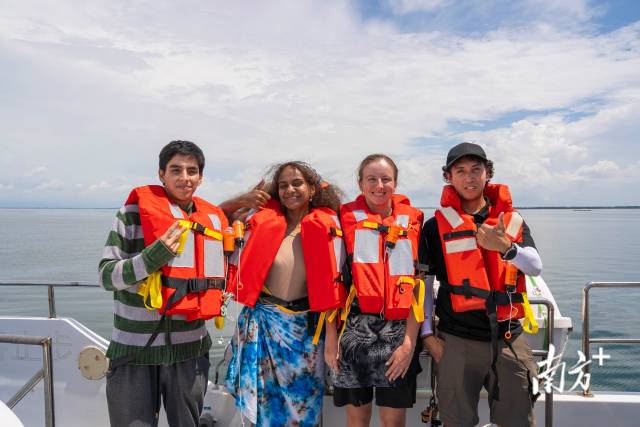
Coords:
pixel 466 289
pixel 192 285
pixel 335 232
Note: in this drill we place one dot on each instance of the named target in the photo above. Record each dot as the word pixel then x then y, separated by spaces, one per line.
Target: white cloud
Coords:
pixel 602 169
pixel 93 92
pixel 400 7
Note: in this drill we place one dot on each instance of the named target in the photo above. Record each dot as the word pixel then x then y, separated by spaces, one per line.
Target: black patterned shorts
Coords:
pixel 366 345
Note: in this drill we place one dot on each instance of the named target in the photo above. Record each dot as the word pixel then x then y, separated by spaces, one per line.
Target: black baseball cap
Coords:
pixel 464 149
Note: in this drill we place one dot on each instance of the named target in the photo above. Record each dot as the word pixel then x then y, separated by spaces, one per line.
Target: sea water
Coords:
pixel 576 247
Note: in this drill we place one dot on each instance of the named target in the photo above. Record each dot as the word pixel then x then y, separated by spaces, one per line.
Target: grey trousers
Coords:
pixel 134 393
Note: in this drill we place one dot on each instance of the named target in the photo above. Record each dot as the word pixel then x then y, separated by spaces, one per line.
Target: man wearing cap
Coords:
pixel 468 246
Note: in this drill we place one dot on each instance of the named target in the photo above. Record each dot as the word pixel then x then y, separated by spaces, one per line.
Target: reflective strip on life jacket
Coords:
pixel 461 245
pixel 401 257
pixel 514 226
pixel 451 216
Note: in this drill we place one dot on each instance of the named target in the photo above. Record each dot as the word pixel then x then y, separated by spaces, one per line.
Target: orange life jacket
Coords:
pixel 197 275
pixel 322 248
pixel 476 275
pixel 383 273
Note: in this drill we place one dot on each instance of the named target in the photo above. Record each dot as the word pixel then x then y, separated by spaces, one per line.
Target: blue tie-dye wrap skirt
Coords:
pixel 276 373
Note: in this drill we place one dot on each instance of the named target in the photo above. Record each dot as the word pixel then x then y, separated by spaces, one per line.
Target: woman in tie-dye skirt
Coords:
pixel 276 373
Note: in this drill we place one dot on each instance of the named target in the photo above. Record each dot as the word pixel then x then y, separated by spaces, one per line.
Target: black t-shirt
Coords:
pixel 469 324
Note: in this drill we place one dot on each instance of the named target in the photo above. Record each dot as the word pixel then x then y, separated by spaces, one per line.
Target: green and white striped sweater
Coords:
pixel 125 263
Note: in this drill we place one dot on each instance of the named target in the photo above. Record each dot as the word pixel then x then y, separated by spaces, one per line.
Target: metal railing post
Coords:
pixel 46 374
pixel 586 337
pixel 47 366
pixel 52 302
pixel 548 397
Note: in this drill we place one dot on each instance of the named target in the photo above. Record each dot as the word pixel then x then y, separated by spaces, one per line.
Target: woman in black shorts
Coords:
pixel 376 346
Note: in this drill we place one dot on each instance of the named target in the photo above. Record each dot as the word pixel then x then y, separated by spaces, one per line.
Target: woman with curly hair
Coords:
pixel 277 371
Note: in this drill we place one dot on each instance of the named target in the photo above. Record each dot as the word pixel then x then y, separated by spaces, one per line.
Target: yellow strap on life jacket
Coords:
pixel 328 316
pixel 375 226
pixel 338 232
pixel 345 312
pixel 347 305
pixel 529 323
pixel 183 237
pixel 219 322
pixel 207 231
pixel 369 224
pixel 316 335
pixel 418 306
pixel 150 290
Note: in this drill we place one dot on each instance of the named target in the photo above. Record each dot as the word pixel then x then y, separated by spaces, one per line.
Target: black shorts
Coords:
pixel 403 396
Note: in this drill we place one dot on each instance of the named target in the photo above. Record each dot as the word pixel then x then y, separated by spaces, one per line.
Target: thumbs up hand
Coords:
pixel 256 197
pixel 493 238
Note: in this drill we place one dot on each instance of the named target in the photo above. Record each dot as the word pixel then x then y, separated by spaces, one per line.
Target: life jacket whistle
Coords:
pixel 392 236
pixel 238 233
pixel 228 242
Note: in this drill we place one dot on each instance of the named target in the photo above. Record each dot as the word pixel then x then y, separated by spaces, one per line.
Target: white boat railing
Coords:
pixel 586 338
pixel 46 374
pixel 50 284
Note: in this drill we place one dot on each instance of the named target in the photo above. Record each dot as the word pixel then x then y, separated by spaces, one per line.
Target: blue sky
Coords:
pixel 90 92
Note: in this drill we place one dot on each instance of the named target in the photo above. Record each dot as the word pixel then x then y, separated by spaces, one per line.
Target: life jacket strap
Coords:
pixel 417 305
pixel 199 228
pixel 329 316
pixel 468 290
pixel 193 285
pixel 529 323
pixel 345 312
pixel 335 232
pixel 458 234
pixel 382 228
pixel 149 290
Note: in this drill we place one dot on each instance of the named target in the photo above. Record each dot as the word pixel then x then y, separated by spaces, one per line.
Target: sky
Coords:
pixel 91 91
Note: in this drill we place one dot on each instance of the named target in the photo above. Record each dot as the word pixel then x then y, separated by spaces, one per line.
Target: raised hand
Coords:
pixel 256 197
pixel 493 238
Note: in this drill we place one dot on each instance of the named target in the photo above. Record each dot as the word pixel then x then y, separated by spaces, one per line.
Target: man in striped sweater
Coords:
pixel 175 365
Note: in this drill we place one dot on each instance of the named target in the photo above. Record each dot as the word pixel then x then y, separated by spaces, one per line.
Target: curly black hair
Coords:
pixel 326 195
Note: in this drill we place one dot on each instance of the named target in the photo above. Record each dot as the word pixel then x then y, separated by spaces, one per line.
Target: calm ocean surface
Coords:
pixel 576 247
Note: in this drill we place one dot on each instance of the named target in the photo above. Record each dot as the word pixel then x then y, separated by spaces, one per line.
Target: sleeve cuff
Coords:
pixel 426 329
pixel 511 252
pixel 156 255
